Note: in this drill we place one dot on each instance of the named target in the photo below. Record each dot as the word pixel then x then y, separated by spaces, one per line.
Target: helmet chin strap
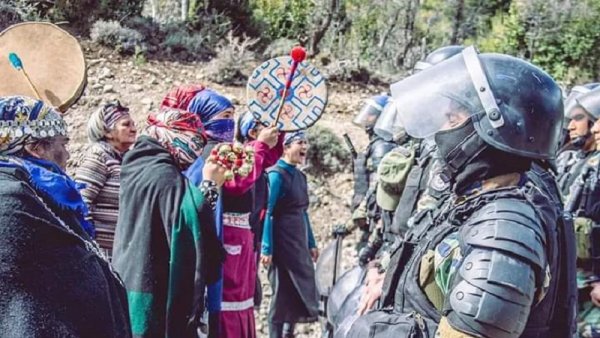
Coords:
pixel 580 141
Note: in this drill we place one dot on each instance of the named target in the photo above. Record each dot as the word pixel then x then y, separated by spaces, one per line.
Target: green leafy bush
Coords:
pixel 282 18
pixel 562 38
pixel 327 155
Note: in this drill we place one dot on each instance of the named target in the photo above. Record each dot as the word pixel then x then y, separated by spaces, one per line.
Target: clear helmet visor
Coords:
pixel 389 125
pixel 368 115
pixel 440 97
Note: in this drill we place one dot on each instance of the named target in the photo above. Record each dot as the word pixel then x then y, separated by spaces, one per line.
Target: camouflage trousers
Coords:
pixel 588 314
pixel 588 320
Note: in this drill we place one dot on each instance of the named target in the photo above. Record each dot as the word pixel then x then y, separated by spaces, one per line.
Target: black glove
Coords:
pixel 368 252
pixel 365 255
pixel 339 230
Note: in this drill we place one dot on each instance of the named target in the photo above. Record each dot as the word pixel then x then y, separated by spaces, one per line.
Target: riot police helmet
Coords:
pixel 590 102
pixel 514 106
pixel 437 56
pixel 371 110
pixel 389 126
pixel 577 91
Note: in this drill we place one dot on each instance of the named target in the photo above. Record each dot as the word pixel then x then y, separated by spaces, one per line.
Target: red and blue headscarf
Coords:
pixel 180 132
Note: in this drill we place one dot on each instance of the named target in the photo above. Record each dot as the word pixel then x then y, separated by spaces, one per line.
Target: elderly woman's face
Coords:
pixel 53 149
pixel 123 134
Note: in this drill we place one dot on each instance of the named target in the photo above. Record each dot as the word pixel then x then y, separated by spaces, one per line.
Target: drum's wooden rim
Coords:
pixel 79 90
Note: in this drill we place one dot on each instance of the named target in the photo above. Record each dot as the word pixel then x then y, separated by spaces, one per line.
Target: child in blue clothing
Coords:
pixel 288 245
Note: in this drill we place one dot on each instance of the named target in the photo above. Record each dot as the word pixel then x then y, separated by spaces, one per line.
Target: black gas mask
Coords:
pixel 457 147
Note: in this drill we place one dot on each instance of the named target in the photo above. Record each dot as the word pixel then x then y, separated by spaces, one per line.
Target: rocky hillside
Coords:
pixel 141 86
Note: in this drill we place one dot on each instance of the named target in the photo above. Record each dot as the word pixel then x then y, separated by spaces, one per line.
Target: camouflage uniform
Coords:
pixel 581 196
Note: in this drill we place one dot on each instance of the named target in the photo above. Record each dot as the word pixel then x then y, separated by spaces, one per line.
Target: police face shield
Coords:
pixel 514 106
pixel 389 125
pixel 368 115
pixel 437 98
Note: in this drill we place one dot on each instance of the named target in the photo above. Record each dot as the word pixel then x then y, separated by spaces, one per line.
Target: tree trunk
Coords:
pixel 153 9
pixel 319 34
pixel 457 22
pixel 184 10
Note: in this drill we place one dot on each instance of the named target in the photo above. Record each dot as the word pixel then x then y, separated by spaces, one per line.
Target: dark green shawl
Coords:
pixel 163 252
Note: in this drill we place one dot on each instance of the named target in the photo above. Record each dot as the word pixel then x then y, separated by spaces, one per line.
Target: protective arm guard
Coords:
pixel 504 264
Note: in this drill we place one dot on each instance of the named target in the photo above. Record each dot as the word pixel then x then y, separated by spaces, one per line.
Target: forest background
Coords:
pixel 352 40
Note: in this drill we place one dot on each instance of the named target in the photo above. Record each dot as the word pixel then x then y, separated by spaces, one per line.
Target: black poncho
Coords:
pixel 50 284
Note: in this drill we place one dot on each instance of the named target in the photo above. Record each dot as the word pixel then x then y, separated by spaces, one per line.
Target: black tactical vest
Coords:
pixel 552 317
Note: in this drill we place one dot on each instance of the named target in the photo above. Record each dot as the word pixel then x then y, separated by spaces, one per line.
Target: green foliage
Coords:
pixel 562 38
pixel 214 26
pixel 326 155
pixel 112 34
pixel 353 39
pixel 81 14
pixel 284 18
pixel 197 38
pixel 139 56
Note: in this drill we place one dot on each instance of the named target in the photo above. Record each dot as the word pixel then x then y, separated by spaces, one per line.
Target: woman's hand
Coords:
pixel 372 291
pixel 266 260
pixel 214 172
pixel 314 253
pixel 269 136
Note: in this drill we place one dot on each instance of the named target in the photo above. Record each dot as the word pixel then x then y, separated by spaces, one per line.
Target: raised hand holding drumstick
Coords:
pixel 298 55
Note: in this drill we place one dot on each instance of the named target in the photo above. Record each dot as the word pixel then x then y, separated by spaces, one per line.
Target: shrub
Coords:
pixel 233 57
pixel 9 15
pixel 284 19
pixel 326 155
pixel 112 34
pixel 180 40
pixel 147 27
pixel 279 47
pixel 348 71
pixel 82 14
pixel 214 26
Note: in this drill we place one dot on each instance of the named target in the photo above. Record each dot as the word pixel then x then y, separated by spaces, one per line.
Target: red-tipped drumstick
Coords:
pixel 298 55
